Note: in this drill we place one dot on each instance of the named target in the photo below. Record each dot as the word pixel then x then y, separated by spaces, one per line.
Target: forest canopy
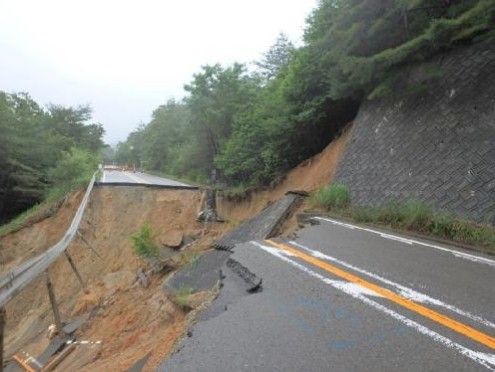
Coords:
pixel 44 152
pixel 245 128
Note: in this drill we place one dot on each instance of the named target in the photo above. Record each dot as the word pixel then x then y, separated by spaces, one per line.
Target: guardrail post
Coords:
pixel 76 272
pixel 88 244
pixel 53 302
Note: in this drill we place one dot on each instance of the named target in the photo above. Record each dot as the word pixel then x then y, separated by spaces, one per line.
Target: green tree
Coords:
pixel 216 96
pixel 276 58
pixel 33 141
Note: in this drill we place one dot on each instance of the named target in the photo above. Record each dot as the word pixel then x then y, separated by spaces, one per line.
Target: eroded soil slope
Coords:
pixel 127 321
pixel 307 176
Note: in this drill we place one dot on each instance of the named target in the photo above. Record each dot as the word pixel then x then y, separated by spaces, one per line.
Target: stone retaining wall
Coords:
pixel 436 146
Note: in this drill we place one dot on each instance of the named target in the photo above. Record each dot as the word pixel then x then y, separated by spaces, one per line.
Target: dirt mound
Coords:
pixel 128 321
pixel 307 176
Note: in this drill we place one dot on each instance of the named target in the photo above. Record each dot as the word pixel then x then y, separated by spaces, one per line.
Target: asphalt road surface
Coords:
pixel 117 176
pixel 338 297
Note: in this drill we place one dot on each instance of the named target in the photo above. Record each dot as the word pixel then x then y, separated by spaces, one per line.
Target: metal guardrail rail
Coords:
pixel 17 278
pixel 20 276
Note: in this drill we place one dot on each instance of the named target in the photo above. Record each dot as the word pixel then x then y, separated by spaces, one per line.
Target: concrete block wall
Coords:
pixel 436 146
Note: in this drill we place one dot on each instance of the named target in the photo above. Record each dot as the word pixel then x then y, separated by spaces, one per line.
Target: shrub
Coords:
pixel 72 171
pixel 143 244
pixel 335 196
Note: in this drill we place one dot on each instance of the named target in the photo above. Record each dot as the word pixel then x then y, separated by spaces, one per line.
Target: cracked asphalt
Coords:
pixel 341 298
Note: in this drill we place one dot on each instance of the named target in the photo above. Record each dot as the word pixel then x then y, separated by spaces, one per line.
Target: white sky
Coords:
pixel 125 58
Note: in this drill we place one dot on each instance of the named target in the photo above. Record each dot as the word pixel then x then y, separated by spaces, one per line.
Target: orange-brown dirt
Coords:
pixel 130 321
pixel 307 176
pixel 127 321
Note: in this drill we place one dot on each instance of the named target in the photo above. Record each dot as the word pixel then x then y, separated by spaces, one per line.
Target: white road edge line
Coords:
pixel 484 359
pixel 466 256
pixel 402 290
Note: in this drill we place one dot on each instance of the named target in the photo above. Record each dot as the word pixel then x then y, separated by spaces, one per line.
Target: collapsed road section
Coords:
pixel 107 311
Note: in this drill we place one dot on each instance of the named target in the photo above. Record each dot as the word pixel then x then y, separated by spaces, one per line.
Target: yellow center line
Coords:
pixel 444 320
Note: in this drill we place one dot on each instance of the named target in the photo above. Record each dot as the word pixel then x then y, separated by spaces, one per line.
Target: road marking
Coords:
pixel 458 254
pixel 135 178
pixel 403 290
pixel 484 359
pixel 444 320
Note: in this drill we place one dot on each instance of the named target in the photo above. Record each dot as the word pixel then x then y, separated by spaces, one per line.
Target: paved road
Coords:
pixel 340 298
pixel 115 176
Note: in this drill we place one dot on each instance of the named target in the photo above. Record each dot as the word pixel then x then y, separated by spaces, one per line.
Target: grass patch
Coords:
pixel 181 297
pixel 411 216
pixel 335 196
pixel 73 172
pixel 54 198
pixel 419 217
pixel 143 242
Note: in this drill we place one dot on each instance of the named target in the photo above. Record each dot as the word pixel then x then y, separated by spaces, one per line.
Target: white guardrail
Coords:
pixel 20 276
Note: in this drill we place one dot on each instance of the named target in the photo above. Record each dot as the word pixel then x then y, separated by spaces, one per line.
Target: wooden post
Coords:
pixel 53 302
pixel 74 268
pixel 88 244
pixel 2 327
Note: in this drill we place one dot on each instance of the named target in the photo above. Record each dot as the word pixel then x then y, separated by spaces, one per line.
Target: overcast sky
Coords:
pixel 125 58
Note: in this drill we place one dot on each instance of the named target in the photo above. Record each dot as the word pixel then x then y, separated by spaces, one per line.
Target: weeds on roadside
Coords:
pixel 335 196
pixel 413 215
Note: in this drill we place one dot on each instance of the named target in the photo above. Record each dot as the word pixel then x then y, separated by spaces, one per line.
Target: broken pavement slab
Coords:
pixel 205 272
pixel 202 274
pixel 264 225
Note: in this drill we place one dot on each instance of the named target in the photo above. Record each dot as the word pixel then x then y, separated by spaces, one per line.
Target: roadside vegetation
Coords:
pixel 44 154
pixel 181 297
pixel 242 126
pixel 335 196
pixel 411 216
pixel 143 242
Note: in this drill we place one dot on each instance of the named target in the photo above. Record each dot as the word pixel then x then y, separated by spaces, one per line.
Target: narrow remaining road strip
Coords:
pixel 444 320
pixel 459 254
